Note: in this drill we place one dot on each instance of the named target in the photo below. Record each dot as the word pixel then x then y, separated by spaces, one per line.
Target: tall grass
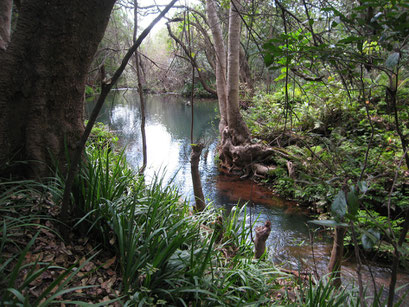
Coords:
pixel 166 254
pixel 323 293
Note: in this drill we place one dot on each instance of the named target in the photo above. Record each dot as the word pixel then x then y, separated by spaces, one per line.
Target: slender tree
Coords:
pixel 140 90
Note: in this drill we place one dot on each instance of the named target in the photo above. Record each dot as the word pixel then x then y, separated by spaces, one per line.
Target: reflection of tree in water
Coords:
pixel 123 111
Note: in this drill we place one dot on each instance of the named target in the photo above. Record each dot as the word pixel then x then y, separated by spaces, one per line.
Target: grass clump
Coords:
pixel 166 254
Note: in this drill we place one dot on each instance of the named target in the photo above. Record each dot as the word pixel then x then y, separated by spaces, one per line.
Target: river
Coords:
pixel 168 119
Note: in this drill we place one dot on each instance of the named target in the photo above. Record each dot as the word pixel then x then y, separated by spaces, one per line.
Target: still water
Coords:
pixel 168 120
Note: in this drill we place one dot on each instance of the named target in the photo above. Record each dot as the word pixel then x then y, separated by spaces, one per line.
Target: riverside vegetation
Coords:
pixel 321 146
pixel 133 244
pixel 334 136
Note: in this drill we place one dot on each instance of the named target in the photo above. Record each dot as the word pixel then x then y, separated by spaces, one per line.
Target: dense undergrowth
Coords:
pixel 132 244
pixel 327 142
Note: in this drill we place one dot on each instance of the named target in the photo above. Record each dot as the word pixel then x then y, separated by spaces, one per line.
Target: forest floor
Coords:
pixel 98 279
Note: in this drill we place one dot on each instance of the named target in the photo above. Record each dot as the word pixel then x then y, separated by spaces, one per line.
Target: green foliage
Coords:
pixel 166 255
pixel 372 227
pixel 326 140
pixel 101 136
pixel 323 293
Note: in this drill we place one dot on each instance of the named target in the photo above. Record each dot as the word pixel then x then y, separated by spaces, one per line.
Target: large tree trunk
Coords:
pixel 236 152
pixel 5 22
pixel 42 80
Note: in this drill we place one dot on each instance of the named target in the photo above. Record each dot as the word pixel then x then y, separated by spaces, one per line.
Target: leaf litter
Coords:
pixel 49 250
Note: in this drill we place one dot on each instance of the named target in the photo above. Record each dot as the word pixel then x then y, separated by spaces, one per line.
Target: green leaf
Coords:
pixel 370 238
pixel 339 206
pixel 362 186
pixel 351 39
pixel 392 60
pixel 353 202
pixel 280 77
pixel 328 223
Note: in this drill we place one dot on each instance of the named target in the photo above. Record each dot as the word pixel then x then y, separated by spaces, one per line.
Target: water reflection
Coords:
pixel 167 133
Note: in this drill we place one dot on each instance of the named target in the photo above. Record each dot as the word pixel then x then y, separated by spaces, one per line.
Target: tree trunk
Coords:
pixel 221 62
pixel 197 183
pixel 245 71
pixel 42 80
pixel 5 22
pixel 137 60
pixel 334 266
pixel 396 259
pixel 238 128
pixel 236 152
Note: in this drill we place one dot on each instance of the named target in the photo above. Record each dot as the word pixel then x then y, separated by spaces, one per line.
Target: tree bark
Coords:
pixel 42 81
pixel 197 183
pixel 237 126
pixel 262 233
pixel 245 71
pixel 221 62
pixel 236 152
pixel 334 266
pixel 5 22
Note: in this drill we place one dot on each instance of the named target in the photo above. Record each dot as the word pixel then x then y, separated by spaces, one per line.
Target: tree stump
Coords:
pixel 262 233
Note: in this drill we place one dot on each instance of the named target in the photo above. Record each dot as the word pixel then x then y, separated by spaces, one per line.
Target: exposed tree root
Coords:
pixel 244 158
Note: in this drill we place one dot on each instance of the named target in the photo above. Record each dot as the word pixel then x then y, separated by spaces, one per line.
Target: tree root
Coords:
pixel 245 158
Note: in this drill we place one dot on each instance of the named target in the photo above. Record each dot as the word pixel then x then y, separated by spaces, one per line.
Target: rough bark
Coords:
pixel 197 184
pixel 262 233
pixel 5 22
pixel 42 80
pixel 334 266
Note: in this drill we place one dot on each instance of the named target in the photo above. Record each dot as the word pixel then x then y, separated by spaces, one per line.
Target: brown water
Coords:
pixel 168 150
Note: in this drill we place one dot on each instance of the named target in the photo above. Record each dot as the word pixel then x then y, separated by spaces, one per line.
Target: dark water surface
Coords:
pixel 168 119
